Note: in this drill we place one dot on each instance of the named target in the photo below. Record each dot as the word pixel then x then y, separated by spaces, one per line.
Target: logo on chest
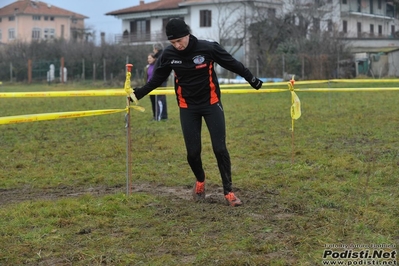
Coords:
pixel 176 62
pixel 199 61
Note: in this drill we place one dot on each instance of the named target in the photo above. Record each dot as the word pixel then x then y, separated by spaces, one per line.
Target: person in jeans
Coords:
pixel 198 97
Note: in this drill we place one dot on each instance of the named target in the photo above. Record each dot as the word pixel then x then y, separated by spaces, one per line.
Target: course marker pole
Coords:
pixel 128 132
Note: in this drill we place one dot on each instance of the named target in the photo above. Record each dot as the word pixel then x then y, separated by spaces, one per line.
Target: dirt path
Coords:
pixel 8 196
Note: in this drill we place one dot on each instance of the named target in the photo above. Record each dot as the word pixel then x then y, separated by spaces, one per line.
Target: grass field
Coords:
pixel 63 183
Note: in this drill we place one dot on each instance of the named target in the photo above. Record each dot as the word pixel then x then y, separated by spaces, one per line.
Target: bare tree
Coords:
pixel 232 32
pixel 232 20
pixel 303 42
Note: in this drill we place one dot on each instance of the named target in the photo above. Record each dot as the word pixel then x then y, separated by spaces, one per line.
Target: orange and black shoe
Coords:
pixel 232 200
pixel 199 191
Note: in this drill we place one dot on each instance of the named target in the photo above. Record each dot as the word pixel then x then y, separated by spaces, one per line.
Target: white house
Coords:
pixel 222 21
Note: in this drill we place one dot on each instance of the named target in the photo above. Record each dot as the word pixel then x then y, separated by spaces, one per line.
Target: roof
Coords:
pixel 205 2
pixel 142 7
pixel 373 49
pixel 33 7
pixel 164 5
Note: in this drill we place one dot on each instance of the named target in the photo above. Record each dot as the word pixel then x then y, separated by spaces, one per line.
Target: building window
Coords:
pixel 379 30
pixel 372 29
pixel 359 29
pixel 74 21
pixel 379 4
pixel 344 26
pixel 329 25
pixel 392 30
pixel 0 19
pixel 52 18
pixel 371 7
pixel 141 29
pixel 316 24
pixel 344 2
pixel 48 34
pixel 11 18
pixel 1 36
pixel 205 18
pixel 11 34
pixel 36 17
pixel 271 13
pixel 36 34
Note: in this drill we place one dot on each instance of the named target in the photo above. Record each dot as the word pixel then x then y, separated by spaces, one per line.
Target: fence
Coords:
pixel 76 70
pixel 80 69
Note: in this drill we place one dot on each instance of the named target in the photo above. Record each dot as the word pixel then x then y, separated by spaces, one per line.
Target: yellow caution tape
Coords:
pixel 82 93
pixel 54 116
pixel 363 80
pixel 61 115
pixel 137 108
pixel 349 89
pixel 117 92
pixel 235 88
pixel 120 92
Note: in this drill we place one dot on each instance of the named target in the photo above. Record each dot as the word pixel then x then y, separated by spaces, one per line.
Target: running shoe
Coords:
pixel 199 191
pixel 232 200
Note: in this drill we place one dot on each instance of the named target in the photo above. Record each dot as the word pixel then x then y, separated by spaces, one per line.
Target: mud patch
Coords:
pixel 15 195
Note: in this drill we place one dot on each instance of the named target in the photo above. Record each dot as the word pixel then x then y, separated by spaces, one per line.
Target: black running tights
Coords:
pixel 191 123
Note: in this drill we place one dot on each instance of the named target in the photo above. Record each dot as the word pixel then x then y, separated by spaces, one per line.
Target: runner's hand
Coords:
pixel 133 98
pixel 255 83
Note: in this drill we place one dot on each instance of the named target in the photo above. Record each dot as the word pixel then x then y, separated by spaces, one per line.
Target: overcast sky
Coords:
pixel 95 10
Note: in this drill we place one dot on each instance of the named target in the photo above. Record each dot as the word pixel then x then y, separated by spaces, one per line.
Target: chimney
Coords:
pixel 141 2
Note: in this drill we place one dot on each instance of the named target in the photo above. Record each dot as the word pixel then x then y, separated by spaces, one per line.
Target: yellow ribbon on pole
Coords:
pixel 128 87
pixel 296 103
pixel 295 112
pixel 129 96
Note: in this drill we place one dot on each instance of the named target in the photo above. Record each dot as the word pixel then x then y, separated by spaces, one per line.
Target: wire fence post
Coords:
pixel 10 72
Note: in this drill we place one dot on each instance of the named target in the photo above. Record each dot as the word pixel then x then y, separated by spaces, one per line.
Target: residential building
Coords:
pixel 30 20
pixel 367 26
pixel 222 21
pixel 361 20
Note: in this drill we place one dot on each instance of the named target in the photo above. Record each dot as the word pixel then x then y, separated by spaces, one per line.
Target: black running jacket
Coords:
pixel 196 83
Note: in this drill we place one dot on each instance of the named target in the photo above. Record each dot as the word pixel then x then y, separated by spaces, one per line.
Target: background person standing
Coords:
pixel 158 102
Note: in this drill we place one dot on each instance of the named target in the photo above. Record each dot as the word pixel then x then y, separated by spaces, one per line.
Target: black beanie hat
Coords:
pixel 176 28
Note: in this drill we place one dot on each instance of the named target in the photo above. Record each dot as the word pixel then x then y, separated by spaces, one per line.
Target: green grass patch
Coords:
pixel 62 182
